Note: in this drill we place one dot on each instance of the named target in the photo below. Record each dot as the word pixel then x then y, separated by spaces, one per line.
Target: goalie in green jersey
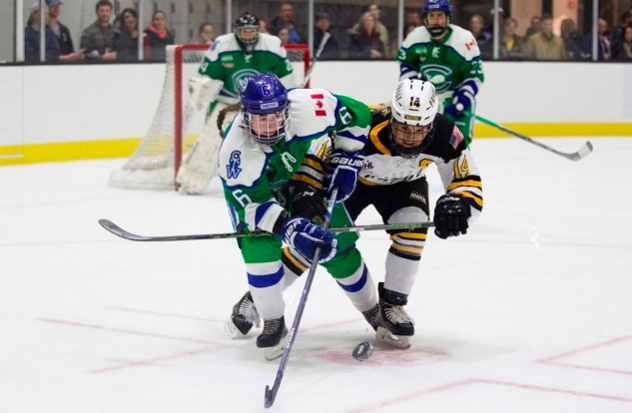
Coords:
pixel 228 62
pixel 447 56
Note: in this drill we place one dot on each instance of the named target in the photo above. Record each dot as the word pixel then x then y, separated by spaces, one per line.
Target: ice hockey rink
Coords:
pixel 530 312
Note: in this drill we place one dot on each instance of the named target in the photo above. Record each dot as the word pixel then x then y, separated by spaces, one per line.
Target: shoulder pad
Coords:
pixel 419 35
pixel 313 111
pixel 463 42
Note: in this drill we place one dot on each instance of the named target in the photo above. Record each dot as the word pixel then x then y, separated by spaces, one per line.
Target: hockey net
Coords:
pixel 174 129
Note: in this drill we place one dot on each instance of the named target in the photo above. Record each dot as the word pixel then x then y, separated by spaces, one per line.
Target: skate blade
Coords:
pixel 273 353
pixel 384 336
pixel 231 329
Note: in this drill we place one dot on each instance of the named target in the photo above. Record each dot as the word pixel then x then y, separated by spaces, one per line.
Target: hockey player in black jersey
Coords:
pixel 406 137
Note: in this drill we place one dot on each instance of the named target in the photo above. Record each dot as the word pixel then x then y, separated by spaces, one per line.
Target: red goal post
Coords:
pixel 156 161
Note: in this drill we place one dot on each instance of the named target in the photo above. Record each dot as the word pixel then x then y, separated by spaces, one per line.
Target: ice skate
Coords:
pixel 243 318
pixel 371 316
pixel 270 340
pixel 395 326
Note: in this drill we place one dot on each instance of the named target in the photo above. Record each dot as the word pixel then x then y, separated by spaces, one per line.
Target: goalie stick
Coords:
pixel 320 49
pixel 120 232
pixel 270 394
pixel 580 154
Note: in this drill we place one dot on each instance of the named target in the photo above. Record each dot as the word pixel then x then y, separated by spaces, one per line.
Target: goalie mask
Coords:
pixel 247 31
pixel 413 109
pixel 265 108
pixel 437 28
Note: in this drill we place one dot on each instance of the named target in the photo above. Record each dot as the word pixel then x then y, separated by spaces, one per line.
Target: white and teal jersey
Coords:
pixel 450 64
pixel 227 61
pixel 252 173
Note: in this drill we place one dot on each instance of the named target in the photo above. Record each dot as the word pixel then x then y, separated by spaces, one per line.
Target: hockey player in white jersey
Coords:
pixel 231 58
pixel 447 56
pixel 406 137
pixel 262 151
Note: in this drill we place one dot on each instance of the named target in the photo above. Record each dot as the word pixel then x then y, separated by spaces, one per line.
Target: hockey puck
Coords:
pixel 362 351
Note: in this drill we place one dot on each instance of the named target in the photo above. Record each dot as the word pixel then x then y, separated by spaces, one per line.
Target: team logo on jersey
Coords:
pixel 239 77
pixel 417 196
pixel 232 169
pixel 319 104
pixel 435 52
pixel 438 75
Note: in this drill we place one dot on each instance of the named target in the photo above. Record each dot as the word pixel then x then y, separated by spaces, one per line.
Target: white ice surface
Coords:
pixel 530 312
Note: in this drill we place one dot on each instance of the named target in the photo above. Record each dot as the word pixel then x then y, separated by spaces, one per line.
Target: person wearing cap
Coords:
pixel 66 46
pixel 32 37
pixel 321 26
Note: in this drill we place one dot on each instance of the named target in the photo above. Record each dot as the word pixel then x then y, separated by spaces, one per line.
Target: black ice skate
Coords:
pixel 395 326
pixel 243 318
pixel 371 316
pixel 274 331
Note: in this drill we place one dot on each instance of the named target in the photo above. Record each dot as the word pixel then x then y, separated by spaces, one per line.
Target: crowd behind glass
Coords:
pixel 115 34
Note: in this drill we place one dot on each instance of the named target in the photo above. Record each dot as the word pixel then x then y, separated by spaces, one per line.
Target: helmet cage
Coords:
pixel 247 21
pixel 265 108
pixel 409 152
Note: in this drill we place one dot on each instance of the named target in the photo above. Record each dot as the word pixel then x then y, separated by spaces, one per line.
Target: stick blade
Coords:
pixel 270 396
pixel 583 152
pixel 120 232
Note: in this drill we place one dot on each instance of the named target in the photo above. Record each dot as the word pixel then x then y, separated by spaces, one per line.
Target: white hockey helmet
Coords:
pixel 414 102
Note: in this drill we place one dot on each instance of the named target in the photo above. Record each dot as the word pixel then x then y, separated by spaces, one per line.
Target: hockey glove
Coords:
pixel 307 201
pixel 343 170
pixel 450 216
pixel 461 101
pixel 305 237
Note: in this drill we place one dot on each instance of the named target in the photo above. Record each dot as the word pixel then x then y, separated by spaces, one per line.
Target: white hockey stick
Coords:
pixel 580 154
pixel 321 46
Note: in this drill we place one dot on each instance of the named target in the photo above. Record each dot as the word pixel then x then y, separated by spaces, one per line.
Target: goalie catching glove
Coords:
pixel 305 237
pixel 451 215
pixel 343 169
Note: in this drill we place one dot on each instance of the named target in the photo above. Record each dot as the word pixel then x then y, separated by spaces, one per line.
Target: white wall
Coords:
pixel 45 104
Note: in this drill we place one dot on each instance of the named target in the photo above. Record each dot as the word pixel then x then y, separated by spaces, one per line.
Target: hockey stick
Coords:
pixel 583 152
pixel 271 393
pixel 321 46
pixel 120 232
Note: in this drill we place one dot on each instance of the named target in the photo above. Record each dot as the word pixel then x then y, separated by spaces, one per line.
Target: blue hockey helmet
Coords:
pixel 265 108
pixel 437 5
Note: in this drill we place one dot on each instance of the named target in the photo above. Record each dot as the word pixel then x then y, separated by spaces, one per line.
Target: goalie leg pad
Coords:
pixel 201 165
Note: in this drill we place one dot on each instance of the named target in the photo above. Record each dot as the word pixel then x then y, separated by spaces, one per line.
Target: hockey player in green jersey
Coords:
pixel 447 56
pixel 231 58
pixel 262 150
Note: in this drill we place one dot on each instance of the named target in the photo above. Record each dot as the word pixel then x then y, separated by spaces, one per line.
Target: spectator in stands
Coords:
pixel 536 22
pixel 604 50
pixel 545 45
pixel 126 40
pixel 511 45
pixel 321 26
pixel 157 37
pixel 32 37
pixel 97 39
pixel 206 33
pixel 617 32
pixel 285 19
pixel 572 39
pixel 380 29
pixel 413 17
pixel 263 26
pixel 284 35
pixel 501 21
pixel 66 46
pixel 483 38
pixel 367 44
pixel 624 45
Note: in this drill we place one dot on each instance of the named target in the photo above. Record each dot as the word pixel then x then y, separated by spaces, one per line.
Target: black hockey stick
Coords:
pixel 321 46
pixel 120 232
pixel 583 152
pixel 271 393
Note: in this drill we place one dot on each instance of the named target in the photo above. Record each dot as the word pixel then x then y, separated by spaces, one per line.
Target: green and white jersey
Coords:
pixel 226 61
pixel 450 64
pixel 252 173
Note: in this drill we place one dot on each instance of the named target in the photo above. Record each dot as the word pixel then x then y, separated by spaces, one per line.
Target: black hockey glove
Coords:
pixel 307 201
pixel 450 216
